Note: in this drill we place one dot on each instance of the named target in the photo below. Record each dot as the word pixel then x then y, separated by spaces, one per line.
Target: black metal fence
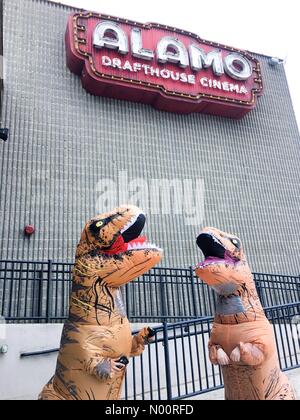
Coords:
pixel 177 365
pixel 39 292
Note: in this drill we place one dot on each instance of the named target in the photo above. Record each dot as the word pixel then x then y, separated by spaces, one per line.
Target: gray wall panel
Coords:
pixel 56 154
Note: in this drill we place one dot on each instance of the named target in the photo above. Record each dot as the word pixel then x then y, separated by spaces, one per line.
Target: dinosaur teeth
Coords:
pixel 145 245
pixel 131 222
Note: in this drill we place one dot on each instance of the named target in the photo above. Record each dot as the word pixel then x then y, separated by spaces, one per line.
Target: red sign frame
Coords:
pixel 217 95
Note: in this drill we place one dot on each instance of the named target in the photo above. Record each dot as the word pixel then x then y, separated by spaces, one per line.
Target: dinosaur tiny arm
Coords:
pixel 250 354
pixel 217 355
pixel 98 366
pixel 103 368
pixel 139 341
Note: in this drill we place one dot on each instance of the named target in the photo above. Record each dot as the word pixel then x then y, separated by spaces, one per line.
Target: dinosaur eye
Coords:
pixel 99 224
pixel 235 242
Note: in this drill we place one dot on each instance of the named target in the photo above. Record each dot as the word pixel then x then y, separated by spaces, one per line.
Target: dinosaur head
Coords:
pixel 224 268
pixel 111 242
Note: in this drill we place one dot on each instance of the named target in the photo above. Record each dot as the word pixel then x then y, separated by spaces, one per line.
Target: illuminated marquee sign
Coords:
pixel 171 69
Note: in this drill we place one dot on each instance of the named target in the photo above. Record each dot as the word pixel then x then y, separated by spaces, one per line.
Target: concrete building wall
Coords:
pixel 63 141
pixel 24 378
pixel 1 57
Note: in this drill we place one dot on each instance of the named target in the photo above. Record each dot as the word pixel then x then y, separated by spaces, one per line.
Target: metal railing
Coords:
pixel 39 292
pixel 177 366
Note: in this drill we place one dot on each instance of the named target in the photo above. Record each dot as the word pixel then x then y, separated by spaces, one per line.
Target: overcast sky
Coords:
pixel 270 27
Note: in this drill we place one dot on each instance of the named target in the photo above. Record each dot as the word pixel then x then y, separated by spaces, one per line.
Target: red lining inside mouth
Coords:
pixel 119 246
pixel 139 239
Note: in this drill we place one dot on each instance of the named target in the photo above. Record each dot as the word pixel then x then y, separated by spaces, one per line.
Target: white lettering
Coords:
pixel 237 66
pixel 183 77
pixel 110 35
pixel 234 88
pixel 106 61
pixel 243 89
pixel 165 74
pixel 105 187
pixel 154 72
pixel 137 66
pixel 170 409
pixel 225 86
pixel 174 76
pixel 137 46
pixel 116 62
pixel 127 66
pixel 204 82
pixel 146 68
pixel 216 84
pixel 116 410
pixel 191 79
pixel 200 59
pixel 172 50
pixel 163 191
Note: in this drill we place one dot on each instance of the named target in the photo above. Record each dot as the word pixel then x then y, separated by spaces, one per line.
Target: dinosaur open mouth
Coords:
pixel 214 252
pixel 133 228
pixel 131 232
pixel 210 245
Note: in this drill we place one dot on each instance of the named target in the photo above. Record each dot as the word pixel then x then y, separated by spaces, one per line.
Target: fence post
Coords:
pixel 258 289
pixel 40 294
pixel 49 292
pixel 167 360
pixel 127 300
pixel 163 296
pixel 193 291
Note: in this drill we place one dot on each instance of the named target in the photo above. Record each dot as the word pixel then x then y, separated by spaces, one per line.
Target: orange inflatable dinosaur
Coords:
pixel 242 339
pixel 96 340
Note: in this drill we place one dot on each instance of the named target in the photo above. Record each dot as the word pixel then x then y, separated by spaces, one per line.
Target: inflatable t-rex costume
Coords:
pixel 242 339
pixel 97 333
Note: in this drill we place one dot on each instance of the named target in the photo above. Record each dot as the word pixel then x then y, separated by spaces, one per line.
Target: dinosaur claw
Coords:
pixel 222 357
pixel 235 355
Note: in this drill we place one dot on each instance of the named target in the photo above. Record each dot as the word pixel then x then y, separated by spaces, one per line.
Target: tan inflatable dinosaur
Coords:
pixel 242 339
pixel 96 340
